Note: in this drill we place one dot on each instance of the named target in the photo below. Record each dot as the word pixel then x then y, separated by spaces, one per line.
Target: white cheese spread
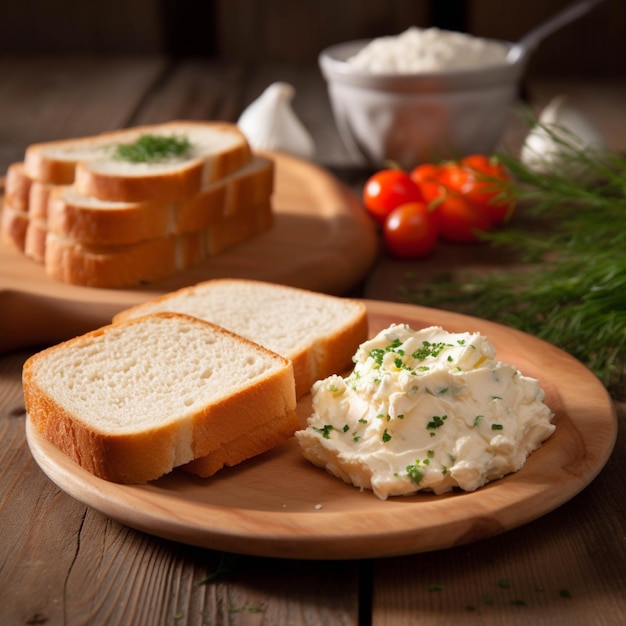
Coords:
pixel 425 410
pixel 427 50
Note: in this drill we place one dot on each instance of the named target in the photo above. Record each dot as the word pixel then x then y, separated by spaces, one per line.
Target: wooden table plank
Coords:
pixel 197 89
pixel 61 562
pixel 48 98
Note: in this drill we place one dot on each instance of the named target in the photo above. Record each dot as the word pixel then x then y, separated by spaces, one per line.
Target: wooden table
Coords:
pixel 64 563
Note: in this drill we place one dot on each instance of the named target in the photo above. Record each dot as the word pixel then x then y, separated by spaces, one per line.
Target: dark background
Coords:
pixel 296 30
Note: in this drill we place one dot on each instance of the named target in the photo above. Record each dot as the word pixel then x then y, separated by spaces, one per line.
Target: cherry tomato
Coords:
pixel 479 179
pixel 459 220
pixel 388 189
pixel 427 177
pixel 411 231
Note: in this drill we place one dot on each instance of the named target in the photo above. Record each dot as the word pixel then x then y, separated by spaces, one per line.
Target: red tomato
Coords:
pixel 483 182
pixel 411 231
pixel 427 177
pixel 388 189
pixel 459 220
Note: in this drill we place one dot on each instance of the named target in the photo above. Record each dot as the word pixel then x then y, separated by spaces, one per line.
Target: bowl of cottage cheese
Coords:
pixel 423 95
pixel 425 410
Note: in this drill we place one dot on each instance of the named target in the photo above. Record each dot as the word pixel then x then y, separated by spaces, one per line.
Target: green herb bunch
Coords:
pixel 150 148
pixel 569 284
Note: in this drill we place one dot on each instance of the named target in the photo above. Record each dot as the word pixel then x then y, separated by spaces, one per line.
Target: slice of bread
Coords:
pixel 130 402
pixel 17 187
pixel 218 149
pixel 14 226
pixel 35 242
pixel 116 266
pixel 317 332
pixel 23 232
pixel 91 221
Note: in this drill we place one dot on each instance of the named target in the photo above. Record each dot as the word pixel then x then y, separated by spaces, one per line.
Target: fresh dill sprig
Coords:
pixel 149 148
pixel 569 286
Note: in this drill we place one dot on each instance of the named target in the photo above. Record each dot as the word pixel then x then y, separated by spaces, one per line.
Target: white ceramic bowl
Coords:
pixel 413 118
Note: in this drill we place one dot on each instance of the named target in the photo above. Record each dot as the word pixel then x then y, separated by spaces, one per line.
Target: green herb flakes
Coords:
pixel 153 148
pixel 429 349
pixel 436 422
pixel 415 472
pixel 324 430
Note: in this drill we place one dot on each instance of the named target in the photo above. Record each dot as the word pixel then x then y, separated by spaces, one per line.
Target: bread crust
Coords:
pixel 55 162
pixel 119 266
pixel 17 187
pixel 13 225
pixel 109 266
pixel 150 453
pixel 35 242
pixel 182 184
pixel 181 181
pixel 259 440
pixel 42 168
pixel 39 198
pixel 118 225
pixel 90 222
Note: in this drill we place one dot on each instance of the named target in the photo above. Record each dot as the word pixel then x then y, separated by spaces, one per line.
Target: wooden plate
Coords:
pixel 280 505
pixel 321 240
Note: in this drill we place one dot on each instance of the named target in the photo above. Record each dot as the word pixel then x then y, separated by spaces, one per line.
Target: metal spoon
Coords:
pixel 533 38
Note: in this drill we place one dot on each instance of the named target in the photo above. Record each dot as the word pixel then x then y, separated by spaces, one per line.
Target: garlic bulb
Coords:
pixel 542 151
pixel 270 123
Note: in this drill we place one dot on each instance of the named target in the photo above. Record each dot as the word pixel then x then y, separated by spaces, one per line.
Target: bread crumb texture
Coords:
pixel 133 376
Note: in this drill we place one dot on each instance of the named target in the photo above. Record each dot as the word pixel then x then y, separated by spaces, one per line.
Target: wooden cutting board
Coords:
pixel 321 240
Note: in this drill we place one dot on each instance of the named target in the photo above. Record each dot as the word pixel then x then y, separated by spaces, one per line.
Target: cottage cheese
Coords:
pixel 425 410
pixel 427 50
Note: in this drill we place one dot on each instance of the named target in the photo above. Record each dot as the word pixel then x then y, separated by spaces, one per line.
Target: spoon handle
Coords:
pixel 535 36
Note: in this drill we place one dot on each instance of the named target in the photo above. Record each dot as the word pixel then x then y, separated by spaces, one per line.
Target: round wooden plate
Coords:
pixel 280 505
pixel 321 240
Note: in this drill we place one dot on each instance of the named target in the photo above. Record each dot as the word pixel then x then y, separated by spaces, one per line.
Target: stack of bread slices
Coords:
pixel 99 216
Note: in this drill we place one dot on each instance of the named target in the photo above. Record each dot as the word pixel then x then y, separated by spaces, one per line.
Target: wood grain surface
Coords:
pixel 321 240
pixel 261 508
